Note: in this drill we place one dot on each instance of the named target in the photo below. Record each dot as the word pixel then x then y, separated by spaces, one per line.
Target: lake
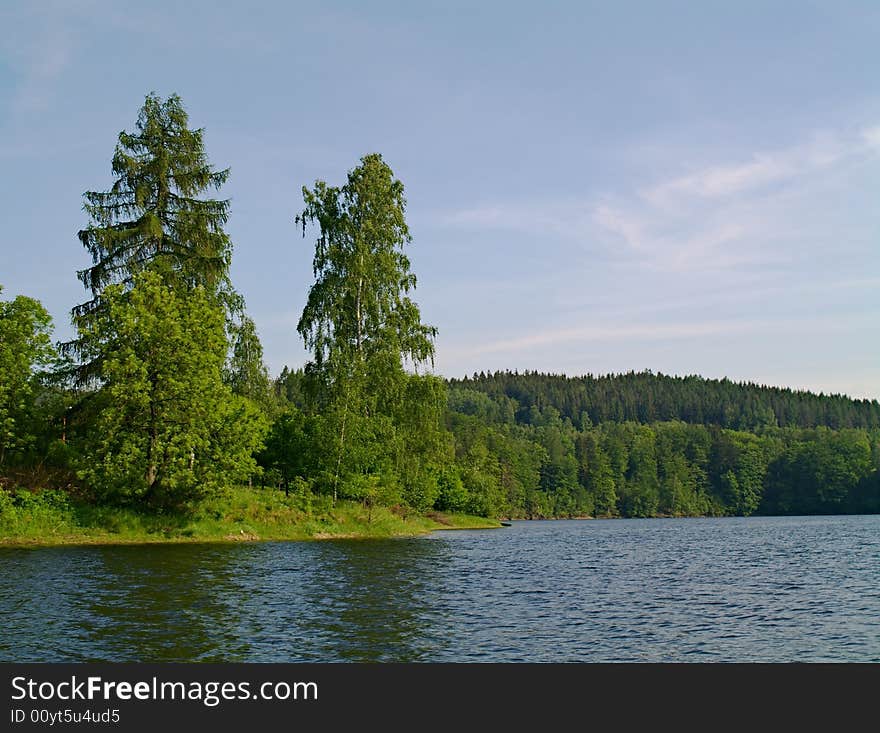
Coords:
pixel 772 589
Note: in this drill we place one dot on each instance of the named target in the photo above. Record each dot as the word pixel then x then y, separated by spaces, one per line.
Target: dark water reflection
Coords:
pixel 758 589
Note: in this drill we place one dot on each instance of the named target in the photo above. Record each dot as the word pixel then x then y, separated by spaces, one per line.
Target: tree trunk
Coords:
pixel 152 447
pixel 359 317
pixel 341 448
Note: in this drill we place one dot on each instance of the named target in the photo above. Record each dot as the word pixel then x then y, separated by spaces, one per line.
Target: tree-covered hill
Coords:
pixel 646 397
pixel 515 451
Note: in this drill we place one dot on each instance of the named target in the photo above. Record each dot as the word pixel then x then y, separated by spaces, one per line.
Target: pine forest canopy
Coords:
pixel 646 397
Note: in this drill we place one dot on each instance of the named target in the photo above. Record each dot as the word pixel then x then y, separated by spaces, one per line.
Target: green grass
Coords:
pixel 52 518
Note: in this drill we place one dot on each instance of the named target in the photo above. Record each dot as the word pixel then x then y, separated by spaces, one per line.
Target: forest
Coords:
pixel 162 400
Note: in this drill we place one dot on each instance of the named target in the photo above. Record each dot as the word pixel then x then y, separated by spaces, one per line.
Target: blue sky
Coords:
pixel 686 187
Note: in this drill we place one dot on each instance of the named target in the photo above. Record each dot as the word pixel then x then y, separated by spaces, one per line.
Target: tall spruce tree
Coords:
pixel 155 335
pixel 155 217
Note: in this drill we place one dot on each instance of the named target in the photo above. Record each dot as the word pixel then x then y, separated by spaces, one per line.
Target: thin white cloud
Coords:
pixel 761 170
pixel 666 332
pixel 741 214
pixel 723 180
pixel 615 221
pixel 753 290
pixel 736 214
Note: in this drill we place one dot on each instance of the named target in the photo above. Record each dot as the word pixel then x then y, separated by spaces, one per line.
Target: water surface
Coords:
pixel 756 589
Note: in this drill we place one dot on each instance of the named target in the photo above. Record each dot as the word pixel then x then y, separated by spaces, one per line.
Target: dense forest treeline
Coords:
pixel 528 460
pixel 162 402
pixel 645 397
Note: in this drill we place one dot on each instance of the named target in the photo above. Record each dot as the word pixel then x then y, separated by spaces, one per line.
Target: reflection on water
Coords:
pixel 357 601
pixel 758 589
pixel 158 604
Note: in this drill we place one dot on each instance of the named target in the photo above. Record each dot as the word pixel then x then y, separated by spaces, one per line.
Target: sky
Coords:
pixel 592 187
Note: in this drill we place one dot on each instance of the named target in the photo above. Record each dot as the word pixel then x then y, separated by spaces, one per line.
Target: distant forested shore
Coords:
pixel 532 445
pixel 646 397
pixel 161 409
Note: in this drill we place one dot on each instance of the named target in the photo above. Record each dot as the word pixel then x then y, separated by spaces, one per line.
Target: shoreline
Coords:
pixel 241 516
pixel 101 540
pixel 296 534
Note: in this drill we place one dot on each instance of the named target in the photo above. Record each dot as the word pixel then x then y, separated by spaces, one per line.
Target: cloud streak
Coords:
pixel 760 171
pixel 732 215
pixel 669 332
pixel 744 249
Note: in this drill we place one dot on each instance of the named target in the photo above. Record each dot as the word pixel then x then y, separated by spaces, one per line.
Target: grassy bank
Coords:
pixel 52 518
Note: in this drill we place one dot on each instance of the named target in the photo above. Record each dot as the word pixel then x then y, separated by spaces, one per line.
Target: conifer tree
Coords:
pixel 154 338
pixel 155 217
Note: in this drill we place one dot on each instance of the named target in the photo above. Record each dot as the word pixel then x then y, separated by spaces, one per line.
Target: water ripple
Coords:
pixel 758 589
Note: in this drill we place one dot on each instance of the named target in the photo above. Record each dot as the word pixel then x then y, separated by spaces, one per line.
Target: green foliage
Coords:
pixel 559 470
pixel 640 496
pixel 152 218
pixel 25 349
pixel 170 431
pixel 27 514
pixel 290 451
pixel 290 388
pixel 362 329
pixel 667 468
pixel 359 310
pixel 649 398
pixel 453 496
pixel 818 476
pixel 739 463
pixel 596 475
pixel 245 371
pixel 488 409
pixel 155 217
